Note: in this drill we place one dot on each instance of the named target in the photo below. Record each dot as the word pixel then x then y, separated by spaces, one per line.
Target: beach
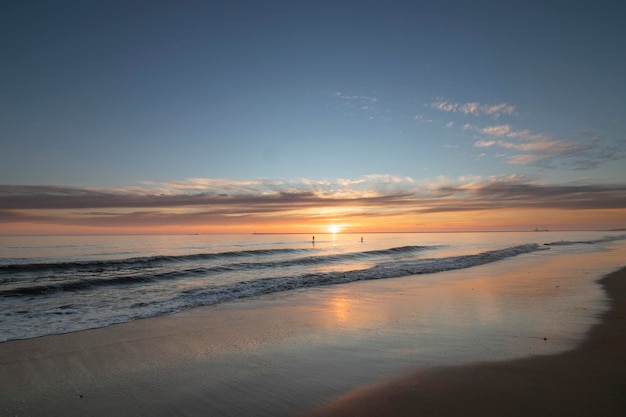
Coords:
pixel 508 338
pixel 588 381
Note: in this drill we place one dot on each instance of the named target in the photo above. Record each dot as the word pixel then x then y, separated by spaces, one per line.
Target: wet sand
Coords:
pixel 289 353
pixel 588 381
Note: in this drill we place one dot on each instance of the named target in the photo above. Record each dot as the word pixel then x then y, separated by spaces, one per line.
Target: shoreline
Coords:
pixel 287 353
pixel 589 380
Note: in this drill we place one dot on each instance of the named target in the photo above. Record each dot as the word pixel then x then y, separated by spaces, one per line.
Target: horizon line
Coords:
pixel 314 233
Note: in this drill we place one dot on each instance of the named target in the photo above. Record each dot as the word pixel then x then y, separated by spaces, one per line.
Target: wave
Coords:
pixel 79 276
pixel 63 311
pixel 139 262
pixel 154 261
pixel 197 298
pixel 605 239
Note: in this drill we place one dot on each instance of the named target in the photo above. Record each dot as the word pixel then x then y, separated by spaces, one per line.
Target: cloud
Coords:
pixel 473 108
pixel 206 201
pixel 584 151
pixel 349 97
pixel 204 192
pixel 484 143
pixel 422 119
pixel 502 194
pixel 498 131
pixel 524 159
pixel 352 104
pixel 587 151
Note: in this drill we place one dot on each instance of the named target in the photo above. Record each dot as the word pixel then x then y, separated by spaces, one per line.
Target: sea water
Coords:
pixel 59 284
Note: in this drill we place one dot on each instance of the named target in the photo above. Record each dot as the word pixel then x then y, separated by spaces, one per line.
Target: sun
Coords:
pixel 333 228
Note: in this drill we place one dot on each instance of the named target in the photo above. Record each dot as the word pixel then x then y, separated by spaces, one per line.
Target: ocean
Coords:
pixel 59 284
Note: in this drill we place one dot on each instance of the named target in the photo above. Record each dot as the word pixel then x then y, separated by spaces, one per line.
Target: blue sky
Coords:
pixel 162 96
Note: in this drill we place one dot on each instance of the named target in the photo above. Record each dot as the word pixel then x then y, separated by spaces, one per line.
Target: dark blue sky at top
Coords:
pixel 115 92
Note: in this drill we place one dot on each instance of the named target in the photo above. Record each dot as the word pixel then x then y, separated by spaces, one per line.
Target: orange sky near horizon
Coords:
pixel 386 204
pixel 486 220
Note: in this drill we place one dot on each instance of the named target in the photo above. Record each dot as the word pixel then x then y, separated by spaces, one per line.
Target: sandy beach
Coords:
pixel 508 338
pixel 588 381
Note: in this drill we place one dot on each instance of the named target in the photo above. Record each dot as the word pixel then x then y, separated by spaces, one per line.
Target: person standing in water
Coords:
pixel 313 241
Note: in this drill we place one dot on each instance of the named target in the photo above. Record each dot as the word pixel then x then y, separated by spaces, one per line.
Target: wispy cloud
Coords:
pixel 421 118
pixel 472 108
pixel 546 151
pixel 349 97
pixel 351 104
pixel 517 146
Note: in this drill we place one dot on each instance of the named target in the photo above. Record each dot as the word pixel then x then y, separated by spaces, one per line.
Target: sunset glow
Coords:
pixel 333 228
pixel 497 204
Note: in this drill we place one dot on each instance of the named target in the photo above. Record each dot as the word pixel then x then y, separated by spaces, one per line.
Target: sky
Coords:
pixel 291 116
